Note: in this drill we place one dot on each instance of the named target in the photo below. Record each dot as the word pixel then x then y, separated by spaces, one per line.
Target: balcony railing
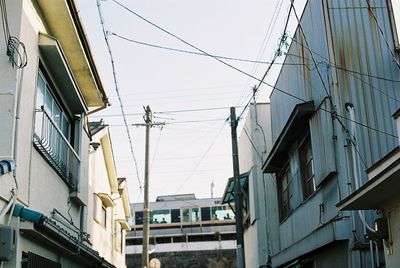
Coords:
pixel 56 149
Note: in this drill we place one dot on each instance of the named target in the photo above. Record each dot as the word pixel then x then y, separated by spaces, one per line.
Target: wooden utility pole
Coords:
pixel 146 209
pixel 238 196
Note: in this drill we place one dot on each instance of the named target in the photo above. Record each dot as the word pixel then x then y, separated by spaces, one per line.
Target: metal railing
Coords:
pixel 57 150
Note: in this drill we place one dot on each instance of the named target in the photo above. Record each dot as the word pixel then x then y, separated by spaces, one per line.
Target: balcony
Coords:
pixel 49 140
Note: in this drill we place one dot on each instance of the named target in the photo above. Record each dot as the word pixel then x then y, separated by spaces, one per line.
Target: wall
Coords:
pixel 261 236
pixel 349 53
pixel 199 259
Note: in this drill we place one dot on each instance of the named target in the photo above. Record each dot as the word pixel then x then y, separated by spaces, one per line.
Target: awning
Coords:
pixel 229 193
pixel 293 129
pixel 382 186
pixel 106 199
pixel 54 59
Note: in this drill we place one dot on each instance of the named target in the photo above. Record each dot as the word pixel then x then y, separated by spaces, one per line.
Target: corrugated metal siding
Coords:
pixel 322 143
pixel 343 36
pixel 359 46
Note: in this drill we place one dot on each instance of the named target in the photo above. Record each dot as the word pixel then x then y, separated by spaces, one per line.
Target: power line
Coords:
pixel 277 54
pixel 382 33
pixel 118 93
pixel 335 114
pixel 352 72
pixel 170 111
pixel 187 51
pixel 201 159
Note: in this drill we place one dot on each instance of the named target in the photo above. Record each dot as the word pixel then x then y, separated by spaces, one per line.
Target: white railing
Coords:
pixel 57 150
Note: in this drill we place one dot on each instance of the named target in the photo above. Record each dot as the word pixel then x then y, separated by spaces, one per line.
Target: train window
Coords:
pixel 195 214
pixel 185 215
pixel 221 213
pixel 160 216
pixel 205 213
pixel 175 215
pixel 139 217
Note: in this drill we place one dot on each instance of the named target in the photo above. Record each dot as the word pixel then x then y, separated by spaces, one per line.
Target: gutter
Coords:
pixel 86 47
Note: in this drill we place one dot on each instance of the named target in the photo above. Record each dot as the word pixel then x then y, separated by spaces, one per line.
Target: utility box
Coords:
pixel 7 242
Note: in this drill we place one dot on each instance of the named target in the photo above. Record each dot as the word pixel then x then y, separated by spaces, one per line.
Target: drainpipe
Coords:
pixel 356 172
pixel 17 111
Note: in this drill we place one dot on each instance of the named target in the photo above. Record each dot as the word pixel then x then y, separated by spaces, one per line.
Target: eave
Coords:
pixel 62 21
pixel 382 185
pixel 289 134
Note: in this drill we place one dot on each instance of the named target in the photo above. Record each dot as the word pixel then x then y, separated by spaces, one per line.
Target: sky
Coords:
pixel 193 149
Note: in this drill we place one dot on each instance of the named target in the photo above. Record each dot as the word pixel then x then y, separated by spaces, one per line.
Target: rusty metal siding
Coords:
pixel 357 67
pixel 359 46
pixel 321 132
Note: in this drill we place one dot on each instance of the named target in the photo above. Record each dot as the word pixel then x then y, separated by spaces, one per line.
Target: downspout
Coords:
pixel 356 172
pixel 17 111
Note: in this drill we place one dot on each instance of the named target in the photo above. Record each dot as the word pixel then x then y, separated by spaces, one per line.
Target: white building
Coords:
pixel 43 110
pixel 108 204
pixel 261 219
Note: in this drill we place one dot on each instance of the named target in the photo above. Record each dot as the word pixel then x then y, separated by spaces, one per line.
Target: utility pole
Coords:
pixel 146 209
pixel 148 123
pixel 238 197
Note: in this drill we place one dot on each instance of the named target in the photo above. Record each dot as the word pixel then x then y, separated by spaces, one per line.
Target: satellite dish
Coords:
pixel 155 263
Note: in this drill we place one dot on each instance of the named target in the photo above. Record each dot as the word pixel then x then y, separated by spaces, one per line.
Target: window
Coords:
pixel 139 217
pixel 100 211
pixel 103 216
pixel 160 216
pixel 53 133
pixel 48 102
pixel 205 213
pixel 191 214
pixel 285 193
pixel 219 213
pixel 175 215
pixel 307 168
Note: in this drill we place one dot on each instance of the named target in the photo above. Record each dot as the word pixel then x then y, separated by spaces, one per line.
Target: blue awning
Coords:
pixel 6 166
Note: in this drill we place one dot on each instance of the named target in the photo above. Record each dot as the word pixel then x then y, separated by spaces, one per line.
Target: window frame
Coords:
pixel 285 210
pixel 303 161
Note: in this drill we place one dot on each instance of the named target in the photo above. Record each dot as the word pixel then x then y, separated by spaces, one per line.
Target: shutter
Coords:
pixel 322 142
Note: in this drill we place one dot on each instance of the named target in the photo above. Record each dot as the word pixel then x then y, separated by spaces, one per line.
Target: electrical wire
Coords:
pixel 118 93
pixel 186 51
pixel 334 114
pixel 201 159
pixel 382 33
pixel 16 50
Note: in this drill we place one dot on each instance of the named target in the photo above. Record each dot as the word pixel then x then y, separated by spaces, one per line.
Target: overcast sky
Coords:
pixel 186 157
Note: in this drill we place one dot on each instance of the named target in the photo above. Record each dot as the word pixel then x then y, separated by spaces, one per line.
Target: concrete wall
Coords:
pixel 198 259
pixel 40 187
pixel 106 240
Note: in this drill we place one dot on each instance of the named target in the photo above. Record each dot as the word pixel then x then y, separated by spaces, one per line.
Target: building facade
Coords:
pixel 184 232
pixel 49 85
pixel 331 111
pixel 108 204
pixel 262 217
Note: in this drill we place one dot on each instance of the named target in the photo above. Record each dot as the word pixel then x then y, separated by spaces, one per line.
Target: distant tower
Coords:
pixel 212 189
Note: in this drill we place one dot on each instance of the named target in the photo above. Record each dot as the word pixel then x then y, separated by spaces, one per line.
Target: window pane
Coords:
pixel 221 213
pixel 160 216
pixel 185 215
pixel 205 213
pixel 139 217
pixel 48 103
pixel 175 215
pixel 195 214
